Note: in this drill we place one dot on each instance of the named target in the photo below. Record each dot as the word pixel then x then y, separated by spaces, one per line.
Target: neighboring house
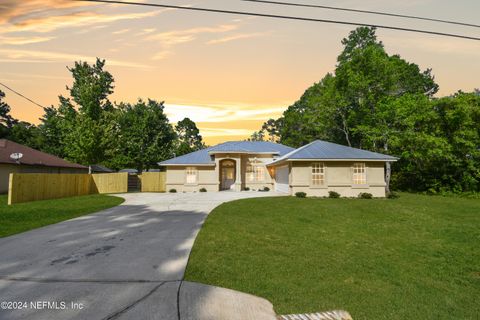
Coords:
pixel 31 161
pixel 98 168
pixel 129 171
pixel 316 168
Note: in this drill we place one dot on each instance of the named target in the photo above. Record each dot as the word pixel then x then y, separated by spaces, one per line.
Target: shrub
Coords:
pixel 203 190
pixel 172 190
pixel 300 194
pixel 266 189
pixel 365 195
pixel 246 189
pixel 333 194
pixel 392 195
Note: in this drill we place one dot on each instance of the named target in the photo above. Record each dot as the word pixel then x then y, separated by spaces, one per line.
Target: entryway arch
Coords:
pixel 228 172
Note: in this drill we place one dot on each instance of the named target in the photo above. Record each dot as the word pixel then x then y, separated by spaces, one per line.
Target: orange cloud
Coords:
pixel 168 40
pixel 75 19
pixel 13 10
pixel 237 37
pixel 24 40
pixel 9 55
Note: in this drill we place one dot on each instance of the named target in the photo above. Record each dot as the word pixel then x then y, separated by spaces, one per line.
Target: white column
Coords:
pixel 238 178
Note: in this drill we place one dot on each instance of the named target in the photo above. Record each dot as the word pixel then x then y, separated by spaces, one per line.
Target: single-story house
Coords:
pixel 17 158
pixel 316 169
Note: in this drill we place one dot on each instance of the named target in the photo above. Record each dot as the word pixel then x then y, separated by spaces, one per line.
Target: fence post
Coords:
pixel 10 188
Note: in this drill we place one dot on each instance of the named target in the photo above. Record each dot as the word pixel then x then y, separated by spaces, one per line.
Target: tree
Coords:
pixel 25 133
pixel 257 136
pixel 358 39
pixel 366 77
pixel 273 128
pixel 19 131
pixel 188 137
pixel 81 124
pixel 91 87
pixel 6 120
pixel 353 106
pixel 143 136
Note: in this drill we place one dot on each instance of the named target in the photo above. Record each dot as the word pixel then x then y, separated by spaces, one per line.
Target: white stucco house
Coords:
pixel 316 169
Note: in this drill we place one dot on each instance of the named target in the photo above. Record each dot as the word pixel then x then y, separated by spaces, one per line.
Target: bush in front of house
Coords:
pixel 333 194
pixel 392 195
pixel 365 195
pixel 172 190
pixel 266 189
pixel 300 194
pixel 246 189
pixel 202 190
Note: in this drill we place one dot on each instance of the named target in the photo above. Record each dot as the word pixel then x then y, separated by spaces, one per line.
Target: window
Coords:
pixel 359 173
pixel 318 174
pixel 255 173
pixel 191 173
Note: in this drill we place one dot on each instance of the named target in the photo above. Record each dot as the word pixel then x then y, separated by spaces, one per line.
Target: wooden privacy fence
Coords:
pixel 110 182
pixel 24 187
pixel 153 181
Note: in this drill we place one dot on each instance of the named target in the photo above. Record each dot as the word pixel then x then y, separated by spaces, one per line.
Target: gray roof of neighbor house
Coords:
pixel 324 150
pixel 203 157
pixel 31 156
pixel 100 168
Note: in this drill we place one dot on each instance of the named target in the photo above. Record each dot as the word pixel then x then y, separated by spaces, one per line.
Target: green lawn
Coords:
pixel 30 215
pixel 415 257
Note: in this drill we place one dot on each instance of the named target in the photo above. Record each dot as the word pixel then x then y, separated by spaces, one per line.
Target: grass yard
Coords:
pixel 415 257
pixel 30 215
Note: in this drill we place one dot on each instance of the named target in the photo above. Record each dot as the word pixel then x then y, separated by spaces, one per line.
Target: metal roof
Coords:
pixel 203 157
pixel 319 149
pixel 251 147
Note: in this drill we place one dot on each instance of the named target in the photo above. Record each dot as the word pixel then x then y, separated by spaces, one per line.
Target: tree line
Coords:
pixel 383 103
pixel 87 128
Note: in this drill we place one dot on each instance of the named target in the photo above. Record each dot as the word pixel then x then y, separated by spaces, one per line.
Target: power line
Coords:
pixel 265 15
pixel 365 11
pixel 21 95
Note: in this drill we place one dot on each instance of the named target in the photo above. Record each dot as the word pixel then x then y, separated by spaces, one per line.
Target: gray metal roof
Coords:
pixel 319 149
pixel 203 157
pixel 251 147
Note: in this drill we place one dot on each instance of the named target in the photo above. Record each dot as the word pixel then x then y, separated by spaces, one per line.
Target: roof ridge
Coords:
pixel 297 150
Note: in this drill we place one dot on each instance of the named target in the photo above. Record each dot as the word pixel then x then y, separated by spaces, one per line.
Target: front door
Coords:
pixel 227 174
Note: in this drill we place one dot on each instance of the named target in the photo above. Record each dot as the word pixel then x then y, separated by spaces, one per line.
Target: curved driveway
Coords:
pixel 125 262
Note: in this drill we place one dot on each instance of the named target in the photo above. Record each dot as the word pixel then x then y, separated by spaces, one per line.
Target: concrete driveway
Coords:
pixel 125 262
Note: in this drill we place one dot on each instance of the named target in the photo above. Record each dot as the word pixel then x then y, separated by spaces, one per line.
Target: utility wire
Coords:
pixel 364 11
pixel 21 95
pixel 266 15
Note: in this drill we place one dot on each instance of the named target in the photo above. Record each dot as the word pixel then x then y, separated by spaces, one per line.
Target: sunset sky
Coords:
pixel 227 73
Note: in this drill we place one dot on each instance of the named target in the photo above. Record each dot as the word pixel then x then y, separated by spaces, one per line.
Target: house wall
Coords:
pixel 6 169
pixel 207 178
pixel 261 160
pixel 338 178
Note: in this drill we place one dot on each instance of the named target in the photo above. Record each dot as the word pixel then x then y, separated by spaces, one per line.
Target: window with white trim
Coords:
pixel 318 174
pixel 191 174
pixel 255 173
pixel 359 173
